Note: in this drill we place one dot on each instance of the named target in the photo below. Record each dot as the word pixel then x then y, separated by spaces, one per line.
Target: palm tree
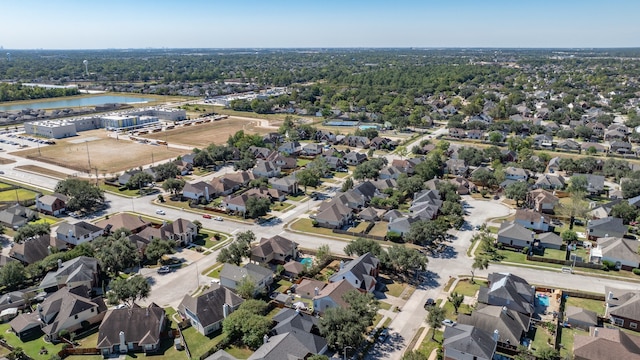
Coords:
pixel 479 263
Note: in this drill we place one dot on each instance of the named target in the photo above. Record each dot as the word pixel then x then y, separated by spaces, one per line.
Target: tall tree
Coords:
pixel 31 230
pixel 479 263
pixel 82 194
pixel 456 300
pixel 235 252
pixel 115 253
pixel 517 191
pixel 131 289
pixel 345 326
pixel 361 246
pixel 434 319
pixel 158 248
pixel 12 274
pixel 173 185
pixel 257 206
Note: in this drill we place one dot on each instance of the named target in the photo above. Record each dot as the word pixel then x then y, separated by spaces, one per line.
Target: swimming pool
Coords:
pixel 307 262
pixel 543 300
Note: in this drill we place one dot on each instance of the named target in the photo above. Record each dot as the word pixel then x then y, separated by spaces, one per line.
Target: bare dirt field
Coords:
pixel 202 135
pixel 107 155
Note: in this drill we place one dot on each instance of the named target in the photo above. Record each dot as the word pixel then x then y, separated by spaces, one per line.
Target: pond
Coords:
pixel 72 101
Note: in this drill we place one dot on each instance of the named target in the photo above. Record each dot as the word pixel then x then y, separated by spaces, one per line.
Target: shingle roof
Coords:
pixel 140 325
pixel 361 268
pixel 511 325
pixel 580 314
pixel 274 244
pixel 335 291
pixel 208 307
pixel 606 344
pixel 289 346
pixel 515 231
pixel 510 289
pixel 469 340
pixel 623 303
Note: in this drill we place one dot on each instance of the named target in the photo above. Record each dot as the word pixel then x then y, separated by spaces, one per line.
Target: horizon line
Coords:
pixel 332 48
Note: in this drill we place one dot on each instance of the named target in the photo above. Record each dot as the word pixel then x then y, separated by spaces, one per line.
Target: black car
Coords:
pixel 429 303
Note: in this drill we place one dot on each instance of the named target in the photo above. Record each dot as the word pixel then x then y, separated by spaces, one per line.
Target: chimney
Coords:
pixel 496 335
pixel 265 339
pixel 595 332
pixel 206 192
pixel 226 310
pixel 610 296
pixel 59 264
pixel 504 309
pixel 341 264
pixel 147 311
pixel 123 343
pixel 316 291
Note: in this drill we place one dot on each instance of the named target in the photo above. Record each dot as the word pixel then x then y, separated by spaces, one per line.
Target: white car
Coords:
pixel 160 212
pixel 447 322
pixel 218 218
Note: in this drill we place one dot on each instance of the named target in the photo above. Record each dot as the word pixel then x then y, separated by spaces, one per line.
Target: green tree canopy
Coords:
pixel 131 289
pixel 31 230
pixel 157 248
pixel 82 194
pixel 12 274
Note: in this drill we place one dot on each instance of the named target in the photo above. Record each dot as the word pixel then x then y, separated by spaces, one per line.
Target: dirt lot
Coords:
pixel 202 135
pixel 108 155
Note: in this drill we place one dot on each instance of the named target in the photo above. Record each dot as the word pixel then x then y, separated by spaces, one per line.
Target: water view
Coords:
pixel 77 102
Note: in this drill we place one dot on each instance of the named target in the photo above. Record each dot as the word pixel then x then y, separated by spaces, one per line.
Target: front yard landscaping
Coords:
pixel 466 288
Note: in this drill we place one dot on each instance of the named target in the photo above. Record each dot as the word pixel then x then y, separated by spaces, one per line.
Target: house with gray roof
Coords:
pixel 595 183
pixel 266 169
pixel 334 214
pixel 16 216
pixel 135 329
pixel 549 240
pixel 622 307
pixel 355 158
pixel 276 249
pixel 606 344
pixel 606 227
pixel 514 173
pixel 78 233
pixel 360 272
pixel 54 204
pixel 232 276
pixel 462 342
pixel 291 345
pixel 197 190
pixel 508 326
pixel 623 252
pixel 82 270
pixel 287 184
pixel 580 318
pixel 515 235
pixel 207 311
pixel 549 182
pixel 401 225
pixel 33 250
pixel 510 291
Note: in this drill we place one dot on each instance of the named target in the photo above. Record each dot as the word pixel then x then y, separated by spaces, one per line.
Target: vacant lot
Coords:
pixel 107 155
pixel 202 135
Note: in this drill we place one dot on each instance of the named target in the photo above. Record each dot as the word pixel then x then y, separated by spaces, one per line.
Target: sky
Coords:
pixel 102 24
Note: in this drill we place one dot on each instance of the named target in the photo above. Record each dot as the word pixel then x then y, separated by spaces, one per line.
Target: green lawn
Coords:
pixel 394 288
pixel 31 348
pixel 297 197
pixel 44 219
pixel 17 195
pixel 554 254
pixel 282 207
pixel 305 225
pixel 206 239
pixel 199 344
pixel 360 228
pixel 514 256
pixel 215 273
pixel 282 285
pixel 302 162
pixel 239 353
pixel 116 190
pixel 379 229
pixel 566 340
pixel 596 306
pixel 466 288
pixel 383 305
pixel 541 339
pixel 428 345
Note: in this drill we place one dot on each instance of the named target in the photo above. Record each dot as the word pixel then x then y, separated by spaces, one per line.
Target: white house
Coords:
pixel 78 233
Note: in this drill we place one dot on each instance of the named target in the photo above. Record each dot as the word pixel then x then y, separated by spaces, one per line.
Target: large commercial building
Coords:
pixel 128 120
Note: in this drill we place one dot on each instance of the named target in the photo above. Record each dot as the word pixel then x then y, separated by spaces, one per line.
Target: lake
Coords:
pixel 69 102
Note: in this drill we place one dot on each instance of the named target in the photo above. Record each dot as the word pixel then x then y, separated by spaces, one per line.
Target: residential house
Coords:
pixel 207 311
pixel 360 272
pixel 606 344
pixel 184 168
pixel 597 147
pixel 333 214
pixel 131 222
pixel 543 141
pixel 182 231
pixel 16 216
pixel 290 148
pixel 382 143
pixel 312 149
pixel 308 288
pixel 549 182
pixel 515 235
pixel 510 291
pixel 463 342
pixel 290 345
pixel 457 133
pixel 390 172
pixel 127 175
pixel 615 135
pixel 356 141
pixel 135 329
pixel 621 307
pixel 325 136
pixel 354 158
pixel 293 269
pixel 267 193
pixel 603 210
pixel 554 165
pixel 514 173
pixel 401 225
pixel 580 318
pixel 232 276
pixel 549 240
pixel 287 184
pixel 475 134
pixel 482 118
pixel 456 167
pixel 259 152
pixel 54 204
pixel 598 128
pixel 78 233
pixel 595 183
pixel 533 220
pixel 620 251
pixel 242 178
pixel 236 203
pixel 606 227
pixel 331 296
pixel 620 147
pixel 275 249
pixel 569 145
pixel 67 309
pixel 369 214
pixel 198 190
pixel 542 201
pixel 266 169
pixel 82 270
pixel 505 325
pixel 281 161
pixel 32 250
pixel 335 163
pixel 226 185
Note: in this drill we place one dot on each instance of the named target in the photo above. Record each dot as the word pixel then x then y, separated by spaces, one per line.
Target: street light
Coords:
pixel 344 351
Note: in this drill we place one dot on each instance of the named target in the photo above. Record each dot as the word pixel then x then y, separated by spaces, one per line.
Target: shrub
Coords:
pixel 609 264
pixel 636 271
pixel 217 236
pixel 314 222
pixel 525 250
pixel 394 236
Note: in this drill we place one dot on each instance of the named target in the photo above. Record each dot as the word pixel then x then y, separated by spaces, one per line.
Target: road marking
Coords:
pixel 235 231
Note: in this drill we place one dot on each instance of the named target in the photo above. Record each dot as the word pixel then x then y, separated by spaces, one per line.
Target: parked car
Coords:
pixel 384 334
pixel 429 303
pixel 206 216
pixel 218 218
pixel 164 270
pixel 160 212
pixel 447 322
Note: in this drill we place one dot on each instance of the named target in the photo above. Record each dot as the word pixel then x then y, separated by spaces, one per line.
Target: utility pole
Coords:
pixel 86 143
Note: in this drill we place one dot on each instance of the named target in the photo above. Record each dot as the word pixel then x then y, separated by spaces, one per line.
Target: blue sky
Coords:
pixel 92 24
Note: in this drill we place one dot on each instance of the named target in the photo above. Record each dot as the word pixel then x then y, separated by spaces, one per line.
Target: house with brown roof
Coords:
pixel 224 185
pixel 33 250
pixel 533 220
pixel 182 231
pixel 622 307
pixel 332 296
pixel 606 344
pixel 135 329
pixel 197 190
pixel 580 318
pixel 287 184
pixel 54 204
pixel 542 201
pixel 78 233
pixel 333 215
pixel 131 222
pixel 308 288
pixel 276 249
pixel 240 177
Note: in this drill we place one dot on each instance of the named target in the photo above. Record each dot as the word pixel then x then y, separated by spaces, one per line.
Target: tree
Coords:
pixel 115 252
pixel 255 306
pixel 517 191
pixel 456 300
pixel 257 206
pixel 578 184
pixel 318 357
pixel 82 194
pixel 485 177
pixel 165 171
pixel 234 253
pixel 409 185
pixel 308 177
pixel 323 255
pixel 174 186
pixel 495 137
pixel 569 236
pixel 131 289
pixel 576 208
pixel 403 259
pixel 547 353
pixel 630 188
pixel 361 246
pixel 246 327
pixel 346 185
pixel 157 248
pixel 434 319
pixel 139 179
pixel 479 263
pixel 429 234
pixel 246 288
pixel 31 230
pixel 12 274
pixel 624 211
pixel 345 326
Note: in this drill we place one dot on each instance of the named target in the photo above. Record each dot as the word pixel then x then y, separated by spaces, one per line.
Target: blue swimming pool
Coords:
pixel 543 300
pixel 307 262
